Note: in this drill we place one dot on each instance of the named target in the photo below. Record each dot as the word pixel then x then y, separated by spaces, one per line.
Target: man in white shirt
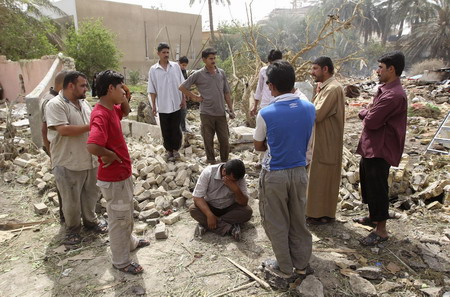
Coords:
pixel 163 80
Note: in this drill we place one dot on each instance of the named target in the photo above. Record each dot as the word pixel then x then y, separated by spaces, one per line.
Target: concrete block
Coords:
pixel 40 208
pixel 161 232
pixel 23 179
pixel 179 202
pixel 126 127
pixel 139 130
pixel 243 134
pixel 186 194
pixel 152 222
pixel 171 219
pixel 149 214
pixel 21 162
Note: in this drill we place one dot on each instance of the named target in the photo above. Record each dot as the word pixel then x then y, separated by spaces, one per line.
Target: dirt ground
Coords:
pixel 33 262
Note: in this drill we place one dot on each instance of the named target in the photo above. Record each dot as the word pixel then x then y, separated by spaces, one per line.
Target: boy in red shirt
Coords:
pixel 114 173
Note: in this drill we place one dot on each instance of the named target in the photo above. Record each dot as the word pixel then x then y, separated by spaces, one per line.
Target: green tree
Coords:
pixel 25 33
pixel 211 21
pixel 92 47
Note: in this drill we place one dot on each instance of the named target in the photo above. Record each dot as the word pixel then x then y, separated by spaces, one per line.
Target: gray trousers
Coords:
pixel 79 195
pixel 282 201
pixel 119 206
pixel 226 217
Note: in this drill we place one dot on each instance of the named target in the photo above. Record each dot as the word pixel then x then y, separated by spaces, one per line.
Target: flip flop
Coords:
pixel 133 268
pixel 366 221
pixel 372 239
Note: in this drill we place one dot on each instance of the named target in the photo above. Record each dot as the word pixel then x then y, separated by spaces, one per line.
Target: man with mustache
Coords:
pixel 328 140
pixel 381 144
pixel 163 80
pixel 214 91
pixel 75 170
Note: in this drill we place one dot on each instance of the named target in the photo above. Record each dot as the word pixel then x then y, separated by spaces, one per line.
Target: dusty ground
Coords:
pixel 32 263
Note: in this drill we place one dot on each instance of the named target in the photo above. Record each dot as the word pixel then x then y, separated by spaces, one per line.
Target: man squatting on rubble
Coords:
pixel 381 144
pixel 214 91
pixel 220 199
pixel 54 91
pixel 68 116
pixel 283 130
pixel 327 145
pixel 114 173
pixel 164 78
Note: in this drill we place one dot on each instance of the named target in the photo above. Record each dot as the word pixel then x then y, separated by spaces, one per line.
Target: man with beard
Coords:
pixel 381 144
pixel 328 138
pixel 75 169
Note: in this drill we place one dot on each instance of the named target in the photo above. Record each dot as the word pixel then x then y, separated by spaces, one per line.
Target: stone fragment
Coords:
pixel 179 202
pixel 163 202
pixel 8 177
pixel 347 205
pixel 149 205
pixel 171 219
pixel 144 196
pixel 369 272
pixel 434 205
pixel 432 292
pixel 140 228
pixel 161 232
pixel 181 177
pixel 47 177
pixel 310 287
pixel 152 222
pixel 23 179
pixel 149 214
pixel 21 162
pixel 42 186
pixel 159 179
pixel 40 208
pixel 186 194
pixel 138 189
pixel 361 286
pixel 172 185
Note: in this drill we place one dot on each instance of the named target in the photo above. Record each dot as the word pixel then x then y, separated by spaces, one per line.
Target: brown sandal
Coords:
pixel 134 268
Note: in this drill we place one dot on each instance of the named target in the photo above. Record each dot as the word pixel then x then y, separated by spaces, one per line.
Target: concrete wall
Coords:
pixel 30 72
pixel 138 31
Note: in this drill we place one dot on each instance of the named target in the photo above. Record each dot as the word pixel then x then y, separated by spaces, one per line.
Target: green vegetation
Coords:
pixel 92 47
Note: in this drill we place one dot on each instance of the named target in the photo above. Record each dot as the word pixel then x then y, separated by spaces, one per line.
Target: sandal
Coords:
pixel 101 227
pixel 72 239
pixel 142 243
pixel 273 266
pixel 366 221
pixel 372 239
pixel 320 221
pixel 235 232
pixel 134 268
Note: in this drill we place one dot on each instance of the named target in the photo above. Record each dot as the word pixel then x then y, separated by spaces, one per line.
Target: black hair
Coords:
pixel 105 79
pixel 183 59
pixel 325 61
pixel 208 51
pixel 71 77
pixel 282 75
pixel 235 167
pixel 274 55
pixel 396 59
pixel 162 45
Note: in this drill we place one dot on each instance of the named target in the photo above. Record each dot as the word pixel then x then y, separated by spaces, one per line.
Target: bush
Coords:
pixel 134 77
pixel 430 64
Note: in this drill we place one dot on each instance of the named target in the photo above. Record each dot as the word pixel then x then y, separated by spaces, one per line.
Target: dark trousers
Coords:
pixel 226 217
pixel 183 119
pixel 211 125
pixel 374 173
pixel 170 129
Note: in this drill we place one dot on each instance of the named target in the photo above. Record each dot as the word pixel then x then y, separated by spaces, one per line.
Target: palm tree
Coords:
pixel 411 12
pixel 433 36
pixel 211 22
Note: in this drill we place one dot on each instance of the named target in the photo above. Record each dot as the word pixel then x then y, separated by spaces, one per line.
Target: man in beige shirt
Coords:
pixel 75 169
pixel 328 138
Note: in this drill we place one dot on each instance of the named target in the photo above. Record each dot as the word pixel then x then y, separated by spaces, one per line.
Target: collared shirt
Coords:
pixel 384 124
pixel 51 94
pixel 210 186
pixel 164 83
pixel 287 125
pixel 212 88
pixel 69 151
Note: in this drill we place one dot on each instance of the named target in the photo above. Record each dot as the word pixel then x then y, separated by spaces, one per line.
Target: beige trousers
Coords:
pixel 79 196
pixel 119 206
pixel 282 199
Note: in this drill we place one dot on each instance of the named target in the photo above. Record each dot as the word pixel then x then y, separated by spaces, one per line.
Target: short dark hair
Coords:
pixel 183 59
pixel 235 167
pixel 71 77
pixel 162 45
pixel 274 55
pixel 105 79
pixel 396 59
pixel 325 61
pixel 208 51
pixel 282 75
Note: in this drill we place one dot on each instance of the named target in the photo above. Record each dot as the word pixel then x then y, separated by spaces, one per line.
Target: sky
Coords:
pixel 221 13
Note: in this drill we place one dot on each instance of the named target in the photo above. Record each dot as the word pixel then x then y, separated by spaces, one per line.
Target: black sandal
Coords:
pixel 143 243
pixel 372 239
pixel 366 221
pixel 320 221
pixel 133 268
pixel 101 227
pixel 72 239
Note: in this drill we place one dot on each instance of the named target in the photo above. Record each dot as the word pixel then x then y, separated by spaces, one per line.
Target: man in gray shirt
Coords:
pixel 214 91
pixel 220 199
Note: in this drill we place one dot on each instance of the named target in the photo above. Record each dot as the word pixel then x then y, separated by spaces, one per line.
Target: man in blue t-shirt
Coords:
pixel 283 131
